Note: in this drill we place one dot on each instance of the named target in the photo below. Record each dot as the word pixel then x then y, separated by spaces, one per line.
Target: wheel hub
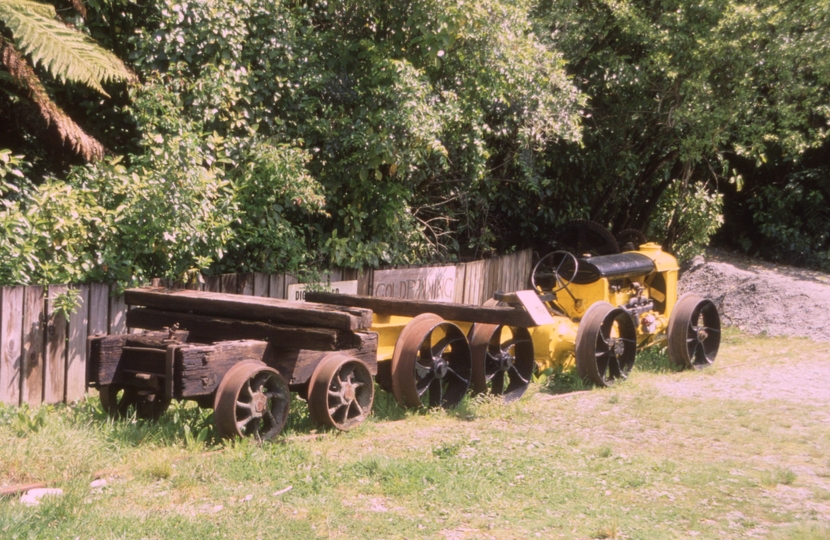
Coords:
pixel 440 368
pixel 506 361
pixel 259 404
pixel 348 391
pixel 618 347
pixel 701 335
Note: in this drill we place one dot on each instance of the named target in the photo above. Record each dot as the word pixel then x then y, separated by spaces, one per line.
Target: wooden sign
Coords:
pixel 432 284
pixel 296 292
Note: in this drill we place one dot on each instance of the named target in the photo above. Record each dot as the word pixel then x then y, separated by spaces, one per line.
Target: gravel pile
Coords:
pixel 760 297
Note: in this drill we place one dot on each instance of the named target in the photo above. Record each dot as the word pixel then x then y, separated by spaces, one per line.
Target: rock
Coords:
pixel 33 496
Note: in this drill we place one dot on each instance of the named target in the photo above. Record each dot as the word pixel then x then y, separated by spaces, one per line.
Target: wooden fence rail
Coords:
pixel 43 353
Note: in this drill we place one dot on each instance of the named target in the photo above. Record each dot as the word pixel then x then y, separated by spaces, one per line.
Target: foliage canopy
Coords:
pixel 271 136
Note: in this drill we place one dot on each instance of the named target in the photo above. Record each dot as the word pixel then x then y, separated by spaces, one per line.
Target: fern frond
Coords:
pixel 25 77
pixel 66 53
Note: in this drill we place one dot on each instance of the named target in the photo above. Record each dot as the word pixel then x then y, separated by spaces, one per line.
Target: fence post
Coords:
pixel 11 352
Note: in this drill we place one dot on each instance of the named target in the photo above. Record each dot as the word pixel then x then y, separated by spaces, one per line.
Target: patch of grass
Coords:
pixel 779 475
pixel 803 531
pixel 632 462
pixel 655 359
pixel 561 381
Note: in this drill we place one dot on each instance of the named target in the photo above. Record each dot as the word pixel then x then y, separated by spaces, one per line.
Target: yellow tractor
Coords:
pixel 607 307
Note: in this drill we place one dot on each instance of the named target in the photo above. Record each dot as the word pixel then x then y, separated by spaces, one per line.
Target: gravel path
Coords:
pixel 761 297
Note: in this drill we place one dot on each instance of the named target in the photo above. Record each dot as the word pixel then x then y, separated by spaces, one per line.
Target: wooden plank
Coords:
pixel 228 283
pixel 276 286
pixel 289 280
pixel 245 284
pixel 31 391
pixel 108 360
pixel 98 309
pixel 207 329
pixel 11 351
pixel 473 283
pixel 460 279
pixel 213 283
pixel 364 282
pixel 431 283
pixel 260 284
pixel 54 369
pixel 76 353
pixel 410 308
pixel 118 312
pixel 252 308
pixel 200 368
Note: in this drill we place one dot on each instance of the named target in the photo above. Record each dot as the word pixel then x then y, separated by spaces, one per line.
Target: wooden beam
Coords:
pixel 208 329
pixel 509 316
pixel 108 360
pixel 200 368
pixel 251 308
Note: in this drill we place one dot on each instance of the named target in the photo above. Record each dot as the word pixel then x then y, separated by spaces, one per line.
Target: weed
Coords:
pixel 779 475
pixel 655 360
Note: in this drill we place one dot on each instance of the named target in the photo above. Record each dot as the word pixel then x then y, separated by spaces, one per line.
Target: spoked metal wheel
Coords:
pixel 252 401
pixel 431 365
pixel 340 391
pixel 502 360
pixel 606 344
pixel 694 332
pixel 118 400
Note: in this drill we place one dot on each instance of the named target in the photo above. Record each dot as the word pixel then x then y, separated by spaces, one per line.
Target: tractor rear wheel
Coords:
pixel 694 332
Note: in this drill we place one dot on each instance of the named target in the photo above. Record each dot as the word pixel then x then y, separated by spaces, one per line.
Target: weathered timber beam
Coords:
pixel 208 329
pixel 200 368
pixel 505 315
pixel 108 359
pixel 251 308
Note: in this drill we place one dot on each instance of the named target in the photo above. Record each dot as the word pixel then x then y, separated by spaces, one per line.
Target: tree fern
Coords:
pixel 67 54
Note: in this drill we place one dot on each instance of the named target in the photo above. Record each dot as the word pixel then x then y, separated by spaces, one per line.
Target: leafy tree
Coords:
pixel 677 89
pixel 31 36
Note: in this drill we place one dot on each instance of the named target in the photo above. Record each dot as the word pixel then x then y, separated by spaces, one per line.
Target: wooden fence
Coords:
pixel 43 353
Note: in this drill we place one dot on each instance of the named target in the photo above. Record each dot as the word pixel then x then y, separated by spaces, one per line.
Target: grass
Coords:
pixel 626 462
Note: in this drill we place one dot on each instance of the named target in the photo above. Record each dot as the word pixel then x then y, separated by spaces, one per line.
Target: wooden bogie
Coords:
pixel 340 392
pixel 252 401
pixel 121 401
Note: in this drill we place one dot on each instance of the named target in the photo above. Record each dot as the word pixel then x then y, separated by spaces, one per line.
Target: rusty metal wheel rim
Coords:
pixel 606 344
pixel 503 360
pixel 340 392
pixel 431 365
pixel 118 401
pixel 252 401
pixel 694 332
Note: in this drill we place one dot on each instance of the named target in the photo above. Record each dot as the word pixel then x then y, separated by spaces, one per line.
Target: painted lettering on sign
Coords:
pixel 296 291
pixel 435 284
